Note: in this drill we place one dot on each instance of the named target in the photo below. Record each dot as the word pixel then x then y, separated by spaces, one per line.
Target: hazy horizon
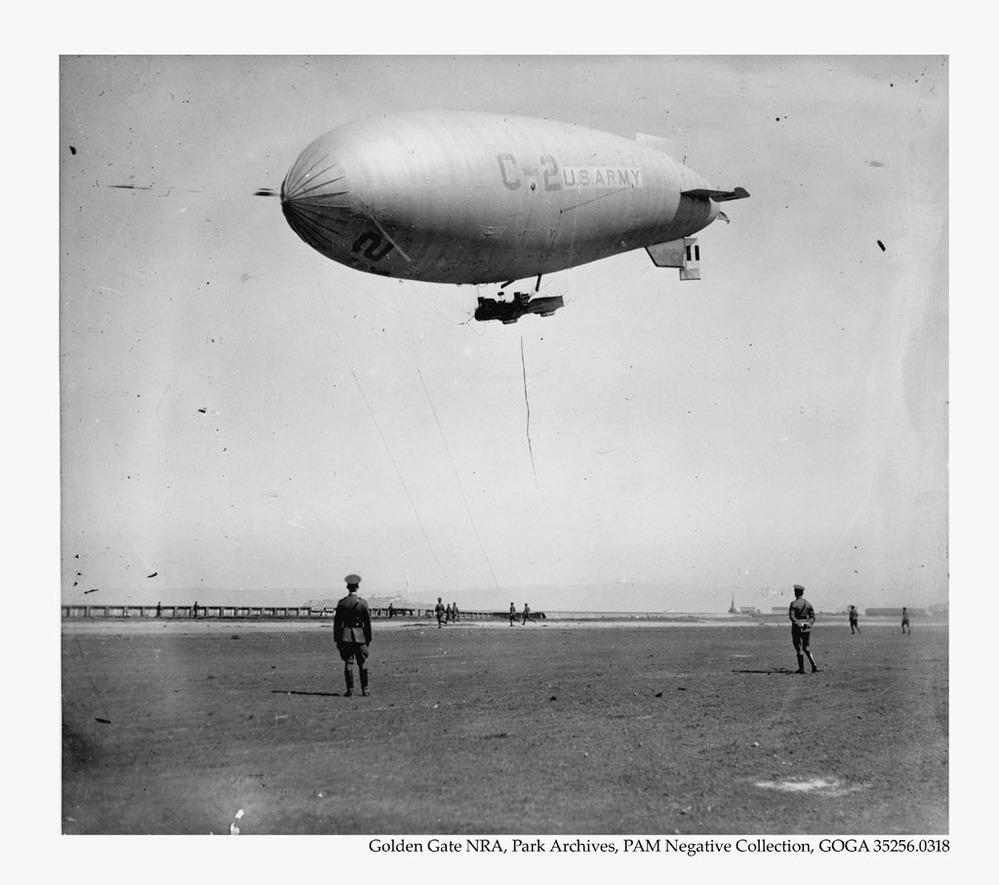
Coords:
pixel 590 598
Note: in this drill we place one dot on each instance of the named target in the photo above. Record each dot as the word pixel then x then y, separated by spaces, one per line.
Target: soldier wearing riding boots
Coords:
pixel 352 634
pixel 802 617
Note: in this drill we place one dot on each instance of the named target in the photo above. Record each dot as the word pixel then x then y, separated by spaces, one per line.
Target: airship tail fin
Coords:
pixel 740 193
pixel 684 254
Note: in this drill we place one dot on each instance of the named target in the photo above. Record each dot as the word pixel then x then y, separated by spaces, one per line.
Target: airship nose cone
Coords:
pixel 314 196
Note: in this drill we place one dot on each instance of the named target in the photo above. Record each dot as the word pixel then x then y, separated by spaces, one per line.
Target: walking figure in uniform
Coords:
pixel 454 611
pixel 802 617
pixel 441 613
pixel 527 614
pixel 853 619
pixel 448 614
pixel 352 634
pixel 905 621
pixel 513 613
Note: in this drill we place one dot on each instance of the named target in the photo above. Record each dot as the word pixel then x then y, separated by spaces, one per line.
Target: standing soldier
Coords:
pixel 440 611
pixel 513 613
pixel 905 621
pixel 454 610
pixel 352 634
pixel 802 617
pixel 853 619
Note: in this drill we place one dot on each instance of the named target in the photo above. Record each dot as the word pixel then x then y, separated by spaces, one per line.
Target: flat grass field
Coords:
pixel 549 728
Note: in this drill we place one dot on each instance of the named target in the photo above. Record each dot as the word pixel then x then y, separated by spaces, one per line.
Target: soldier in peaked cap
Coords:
pixel 802 617
pixel 352 634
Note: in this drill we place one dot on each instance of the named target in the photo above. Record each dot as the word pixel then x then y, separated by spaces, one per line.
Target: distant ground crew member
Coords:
pixel 853 619
pixel 352 634
pixel 802 617
pixel 441 613
pixel 527 614
pixel 513 613
pixel 454 610
pixel 159 609
pixel 391 610
pixel 195 608
pixel 905 621
pixel 448 614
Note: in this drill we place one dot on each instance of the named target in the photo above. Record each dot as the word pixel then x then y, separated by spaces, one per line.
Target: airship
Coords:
pixel 486 198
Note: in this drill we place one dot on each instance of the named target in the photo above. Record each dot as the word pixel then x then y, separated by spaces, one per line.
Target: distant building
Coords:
pixel 749 610
pixel 894 612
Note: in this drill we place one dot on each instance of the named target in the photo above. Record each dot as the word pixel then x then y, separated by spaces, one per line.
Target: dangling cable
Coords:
pixel 398 472
pixel 457 480
pixel 527 402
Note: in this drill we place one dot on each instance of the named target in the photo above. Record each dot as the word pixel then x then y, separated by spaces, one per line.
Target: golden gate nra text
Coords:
pixel 484 845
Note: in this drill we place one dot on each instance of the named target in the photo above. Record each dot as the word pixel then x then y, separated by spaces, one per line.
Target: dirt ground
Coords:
pixel 550 728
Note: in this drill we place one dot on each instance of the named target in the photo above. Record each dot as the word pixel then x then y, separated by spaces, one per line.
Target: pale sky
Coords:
pixel 241 416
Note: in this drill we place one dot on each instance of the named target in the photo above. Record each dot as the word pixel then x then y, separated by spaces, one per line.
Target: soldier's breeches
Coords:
pixel 353 651
pixel 799 639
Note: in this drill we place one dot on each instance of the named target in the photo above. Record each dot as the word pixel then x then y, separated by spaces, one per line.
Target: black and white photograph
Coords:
pixel 507 457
